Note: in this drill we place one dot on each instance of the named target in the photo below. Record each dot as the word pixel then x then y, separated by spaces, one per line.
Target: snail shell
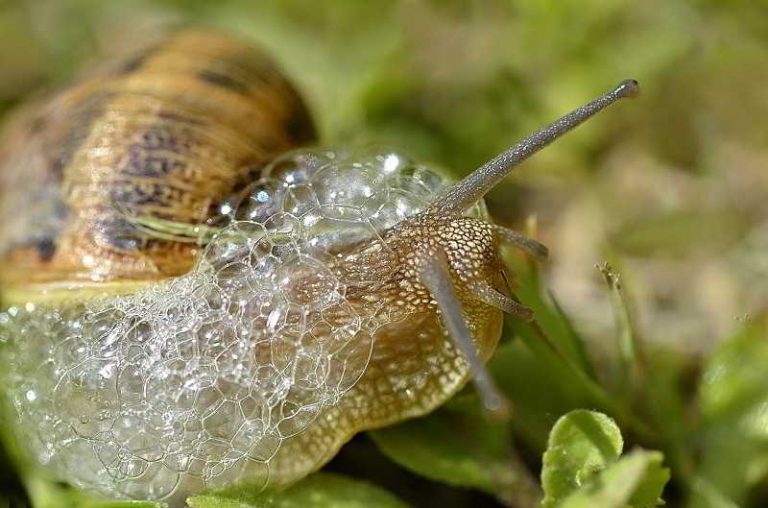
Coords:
pixel 166 134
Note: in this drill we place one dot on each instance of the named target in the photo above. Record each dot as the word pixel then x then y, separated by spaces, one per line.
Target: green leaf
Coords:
pixel 734 439
pixel 549 316
pixel 735 379
pixel 321 490
pixel 580 444
pixel 459 445
pixel 582 467
pixel 635 480
pixel 536 404
pixel 648 492
pixel 676 234
pixel 48 494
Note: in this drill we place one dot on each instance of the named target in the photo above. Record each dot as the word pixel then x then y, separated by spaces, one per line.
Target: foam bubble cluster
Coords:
pixel 197 381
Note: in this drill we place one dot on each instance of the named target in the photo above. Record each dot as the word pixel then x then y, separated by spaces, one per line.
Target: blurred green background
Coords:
pixel 671 188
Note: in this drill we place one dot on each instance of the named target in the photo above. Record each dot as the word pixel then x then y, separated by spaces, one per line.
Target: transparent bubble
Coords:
pixel 346 185
pixel 198 381
pixel 259 200
pixel 308 283
pixel 298 166
pixel 300 200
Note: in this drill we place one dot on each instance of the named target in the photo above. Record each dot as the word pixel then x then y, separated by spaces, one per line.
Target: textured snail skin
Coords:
pixel 414 367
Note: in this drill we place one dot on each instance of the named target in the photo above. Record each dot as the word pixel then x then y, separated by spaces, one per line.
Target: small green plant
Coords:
pixel 583 466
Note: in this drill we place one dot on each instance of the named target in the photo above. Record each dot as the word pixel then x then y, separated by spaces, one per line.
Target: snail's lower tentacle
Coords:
pixel 522 242
pixel 492 297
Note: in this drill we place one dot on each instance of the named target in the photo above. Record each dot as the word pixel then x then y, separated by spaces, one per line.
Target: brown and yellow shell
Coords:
pixel 166 134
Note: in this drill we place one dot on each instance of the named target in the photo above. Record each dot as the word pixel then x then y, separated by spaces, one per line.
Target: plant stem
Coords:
pixel 594 389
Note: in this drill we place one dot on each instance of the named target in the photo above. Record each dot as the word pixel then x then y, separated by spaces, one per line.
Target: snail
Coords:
pixel 190 302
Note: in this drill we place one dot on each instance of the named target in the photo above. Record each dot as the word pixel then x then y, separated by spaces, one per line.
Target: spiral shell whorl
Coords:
pixel 164 135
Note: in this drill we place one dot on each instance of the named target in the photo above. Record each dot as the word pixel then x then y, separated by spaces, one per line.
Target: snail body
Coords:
pixel 342 291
